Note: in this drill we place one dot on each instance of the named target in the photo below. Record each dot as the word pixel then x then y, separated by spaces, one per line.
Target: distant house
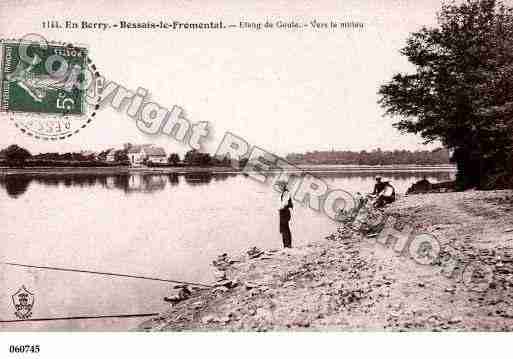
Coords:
pixel 91 155
pixel 156 154
pixel 138 155
pixel 111 156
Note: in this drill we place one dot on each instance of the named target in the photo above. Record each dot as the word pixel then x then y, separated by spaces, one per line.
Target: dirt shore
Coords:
pixel 348 282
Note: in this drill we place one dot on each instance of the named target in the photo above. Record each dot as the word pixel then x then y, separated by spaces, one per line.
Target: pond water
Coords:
pixel 166 226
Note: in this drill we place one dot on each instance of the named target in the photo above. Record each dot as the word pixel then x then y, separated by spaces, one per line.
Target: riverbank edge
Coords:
pixel 211 169
pixel 343 285
pixel 115 170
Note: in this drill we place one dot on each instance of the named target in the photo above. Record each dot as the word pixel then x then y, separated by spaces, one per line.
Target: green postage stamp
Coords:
pixel 42 87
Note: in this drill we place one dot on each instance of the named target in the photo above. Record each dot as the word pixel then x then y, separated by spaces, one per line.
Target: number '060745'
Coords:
pixel 27 348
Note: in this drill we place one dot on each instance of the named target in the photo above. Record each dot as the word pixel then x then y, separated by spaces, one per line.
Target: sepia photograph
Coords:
pixel 281 166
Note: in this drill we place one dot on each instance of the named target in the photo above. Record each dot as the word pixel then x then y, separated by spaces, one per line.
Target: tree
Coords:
pixel 173 159
pixel 102 156
pixel 196 158
pixel 243 162
pixel 68 156
pixel 121 156
pixel 16 155
pixel 190 157
pixel 375 157
pixel 461 92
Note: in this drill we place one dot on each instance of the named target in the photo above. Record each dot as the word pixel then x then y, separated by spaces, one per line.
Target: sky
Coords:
pixel 282 90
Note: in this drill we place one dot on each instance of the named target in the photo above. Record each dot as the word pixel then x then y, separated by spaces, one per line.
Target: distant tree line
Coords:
pixel 375 157
pixel 16 156
pixel 196 158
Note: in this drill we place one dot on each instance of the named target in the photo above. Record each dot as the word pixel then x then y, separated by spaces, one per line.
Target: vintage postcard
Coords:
pixel 256 166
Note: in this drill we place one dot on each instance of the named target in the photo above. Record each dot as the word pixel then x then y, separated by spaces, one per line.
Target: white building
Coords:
pixel 156 155
pixel 138 155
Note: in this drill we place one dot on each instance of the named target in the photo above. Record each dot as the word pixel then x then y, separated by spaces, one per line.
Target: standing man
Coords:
pixel 284 211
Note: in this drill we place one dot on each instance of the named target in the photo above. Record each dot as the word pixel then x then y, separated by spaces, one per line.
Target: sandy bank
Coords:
pixel 349 284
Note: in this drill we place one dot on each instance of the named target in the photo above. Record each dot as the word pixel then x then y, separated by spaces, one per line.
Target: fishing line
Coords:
pixel 106 273
pixel 80 317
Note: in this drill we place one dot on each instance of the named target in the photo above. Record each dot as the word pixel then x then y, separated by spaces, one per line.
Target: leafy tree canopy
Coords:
pixel 15 154
pixel 461 92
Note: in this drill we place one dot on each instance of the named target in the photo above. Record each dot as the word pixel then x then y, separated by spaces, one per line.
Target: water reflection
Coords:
pixel 17 184
pixel 173 179
pixel 438 176
pixel 198 178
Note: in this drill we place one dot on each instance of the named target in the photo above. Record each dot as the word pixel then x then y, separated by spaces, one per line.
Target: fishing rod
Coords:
pixel 80 317
pixel 106 274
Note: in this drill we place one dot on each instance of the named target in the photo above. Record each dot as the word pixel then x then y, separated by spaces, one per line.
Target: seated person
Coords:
pixel 385 193
pixel 378 187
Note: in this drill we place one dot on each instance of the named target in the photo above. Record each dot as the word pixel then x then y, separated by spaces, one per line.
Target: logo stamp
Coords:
pixel 43 87
pixel 23 302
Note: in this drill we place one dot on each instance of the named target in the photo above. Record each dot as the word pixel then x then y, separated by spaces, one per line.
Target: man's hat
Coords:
pixel 281 184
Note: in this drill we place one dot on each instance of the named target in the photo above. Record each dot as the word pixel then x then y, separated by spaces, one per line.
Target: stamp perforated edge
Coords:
pixel 87 62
